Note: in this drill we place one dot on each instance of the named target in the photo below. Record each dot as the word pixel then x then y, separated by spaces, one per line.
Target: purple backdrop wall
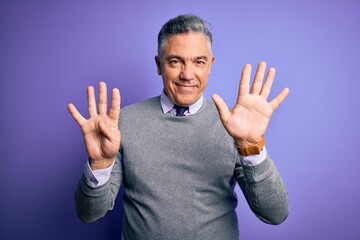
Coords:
pixel 51 50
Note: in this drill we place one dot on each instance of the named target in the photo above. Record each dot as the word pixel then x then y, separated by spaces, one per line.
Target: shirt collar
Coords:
pixel 167 105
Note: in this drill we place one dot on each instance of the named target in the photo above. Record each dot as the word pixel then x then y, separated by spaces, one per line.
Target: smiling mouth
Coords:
pixel 185 89
pixel 185 85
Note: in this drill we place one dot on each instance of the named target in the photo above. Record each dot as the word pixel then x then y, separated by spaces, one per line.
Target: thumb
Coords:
pixel 222 108
pixel 105 130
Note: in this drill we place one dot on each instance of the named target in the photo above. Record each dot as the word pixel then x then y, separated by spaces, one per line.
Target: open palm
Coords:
pixel 100 132
pixel 247 121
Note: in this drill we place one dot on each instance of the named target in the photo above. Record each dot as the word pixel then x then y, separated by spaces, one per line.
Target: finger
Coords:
pixel 105 131
pixel 102 99
pixel 279 98
pixel 244 84
pixel 265 90
pixel 259 76
pixel 76 115
pixel 222 108
pixel 91 101
pixel 115 104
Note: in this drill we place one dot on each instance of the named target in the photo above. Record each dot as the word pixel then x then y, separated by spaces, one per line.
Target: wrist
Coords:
pixel 100 164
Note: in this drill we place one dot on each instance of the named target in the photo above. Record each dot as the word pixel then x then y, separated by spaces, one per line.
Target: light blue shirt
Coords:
pixel 168 106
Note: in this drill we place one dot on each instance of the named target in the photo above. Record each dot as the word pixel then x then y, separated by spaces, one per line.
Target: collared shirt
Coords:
pixel 96 178
pixel 168 106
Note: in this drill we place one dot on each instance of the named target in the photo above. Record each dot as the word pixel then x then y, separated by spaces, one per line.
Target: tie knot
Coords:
pixel 180 110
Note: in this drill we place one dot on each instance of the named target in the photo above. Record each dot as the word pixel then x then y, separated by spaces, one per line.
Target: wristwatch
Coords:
pixel 252 149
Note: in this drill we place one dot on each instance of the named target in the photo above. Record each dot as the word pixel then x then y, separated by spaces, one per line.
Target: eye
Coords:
pixel 174 62
pixel 200 62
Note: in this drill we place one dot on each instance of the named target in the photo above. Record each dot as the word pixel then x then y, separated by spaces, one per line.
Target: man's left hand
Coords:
pixel 247 121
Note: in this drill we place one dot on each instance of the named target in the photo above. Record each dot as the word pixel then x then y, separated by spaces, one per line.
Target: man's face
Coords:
pixel 185 65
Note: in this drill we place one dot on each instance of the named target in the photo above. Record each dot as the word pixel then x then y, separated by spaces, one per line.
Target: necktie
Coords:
pixel 180 110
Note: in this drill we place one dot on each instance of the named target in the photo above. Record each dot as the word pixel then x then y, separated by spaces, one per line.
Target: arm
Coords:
pixel 247 122
pixel 264 190
pixel 102 141
pixel 93 203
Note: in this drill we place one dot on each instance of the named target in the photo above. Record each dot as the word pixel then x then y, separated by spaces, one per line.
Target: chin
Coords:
pixel 186 101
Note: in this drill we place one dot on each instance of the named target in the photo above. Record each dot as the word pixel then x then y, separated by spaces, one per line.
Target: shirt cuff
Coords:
pixel 253 160
pixel 97 178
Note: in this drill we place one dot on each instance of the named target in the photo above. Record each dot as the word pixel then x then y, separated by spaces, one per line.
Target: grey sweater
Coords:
pixel 179 175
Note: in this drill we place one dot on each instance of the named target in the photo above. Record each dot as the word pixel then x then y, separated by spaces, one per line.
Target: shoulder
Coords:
pixel 148 105
pixel 209 108
pixel 135 114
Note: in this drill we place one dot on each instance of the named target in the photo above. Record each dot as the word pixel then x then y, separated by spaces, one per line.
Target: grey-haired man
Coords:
pixel 179 155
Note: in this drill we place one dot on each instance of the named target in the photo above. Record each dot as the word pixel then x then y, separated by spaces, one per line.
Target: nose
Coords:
pixel 187 72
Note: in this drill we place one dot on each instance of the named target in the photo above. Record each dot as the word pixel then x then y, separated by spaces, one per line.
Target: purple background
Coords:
pixel 51 50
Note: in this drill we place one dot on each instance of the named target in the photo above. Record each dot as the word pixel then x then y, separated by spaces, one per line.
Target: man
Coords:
pixel 181 155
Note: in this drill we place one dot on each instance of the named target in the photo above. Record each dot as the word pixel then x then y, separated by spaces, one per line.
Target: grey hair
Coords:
pixel 183 24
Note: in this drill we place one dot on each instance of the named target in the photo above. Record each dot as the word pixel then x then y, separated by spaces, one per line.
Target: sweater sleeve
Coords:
pixel 264 190
pixel 92 203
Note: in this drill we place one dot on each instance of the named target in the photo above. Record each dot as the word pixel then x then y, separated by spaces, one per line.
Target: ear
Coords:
pixel 158 64
pixel 211 63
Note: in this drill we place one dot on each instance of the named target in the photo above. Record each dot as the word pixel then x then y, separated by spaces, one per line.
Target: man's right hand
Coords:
pixel 101 131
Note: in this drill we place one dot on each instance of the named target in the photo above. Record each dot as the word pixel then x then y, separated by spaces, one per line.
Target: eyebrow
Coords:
pixel 181 58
